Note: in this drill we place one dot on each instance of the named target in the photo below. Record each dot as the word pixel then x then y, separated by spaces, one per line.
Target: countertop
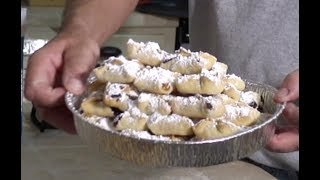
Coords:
pixel 55 155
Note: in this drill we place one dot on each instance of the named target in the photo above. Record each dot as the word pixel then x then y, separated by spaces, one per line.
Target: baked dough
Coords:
pixel 170 124
pixel 212 129
pixel 219 68
pixel 96 86
pixel 198 106
pixel 236 81
pixel 187 62
pixel 95 106
pixel 226 99
pixel 232 92
pixel 204 83
pixel 132 119
pixel 148 53
pixel 241 114
pixel 251 98
pixel 117 70
pixel 155 80
pixel 118 95
pixel 170 96
pixel 151 103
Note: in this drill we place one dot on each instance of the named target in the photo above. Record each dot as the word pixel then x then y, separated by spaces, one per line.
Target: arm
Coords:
pixel 98 19
pixel 64 63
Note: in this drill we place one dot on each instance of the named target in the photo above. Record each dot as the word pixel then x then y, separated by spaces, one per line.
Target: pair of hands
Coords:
pixel 63 65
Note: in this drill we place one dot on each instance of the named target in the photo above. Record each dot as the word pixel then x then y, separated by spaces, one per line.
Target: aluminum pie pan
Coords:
pixel 159 153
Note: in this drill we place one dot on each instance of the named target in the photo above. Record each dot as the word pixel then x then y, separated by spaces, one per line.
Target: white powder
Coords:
pixel 212 75
pixel 219 68
pixel 106 124
pixel 115 90
pixel 156 75
pixel 157 118
pixel 233 76
pixel 148 49
pixel 193 59
pixel 249 97
pixel 214 100
pixel 188 101
pixel 224 97
pixel 115 60
pixel 136 113
pixel 144 135
pixel 102 122
pixel 234 111
pixel 230 86
pixel 186 78
pixel 156 102
pixel 167 97
pixel 127 68
pixel 132 67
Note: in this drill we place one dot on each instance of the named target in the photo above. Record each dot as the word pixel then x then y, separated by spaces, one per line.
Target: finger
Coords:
pixel 291 113
pixel 286 141
pixel 289 90
pixel 78 63
pixel 40 79
pixel 60 118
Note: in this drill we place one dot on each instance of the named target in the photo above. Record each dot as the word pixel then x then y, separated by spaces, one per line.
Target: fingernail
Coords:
pixel 283 92
pixel 75 85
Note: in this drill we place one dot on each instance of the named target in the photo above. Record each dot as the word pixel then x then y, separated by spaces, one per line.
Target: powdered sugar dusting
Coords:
pixel 115 90
pixel 212 75
pixel 249 97
pixel 186 78
pixel 233 76
pixel 136 113
pixel 184 60
pixel 157 75
pixel 156 118
pixel 155 102
pixel 234 111
pixel 220 68
pixel 144 135
pixel 102 122
pixel 188 101
pixel 148 49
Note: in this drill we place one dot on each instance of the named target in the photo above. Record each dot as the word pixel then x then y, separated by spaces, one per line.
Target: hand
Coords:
pixel 61 65
pixel 286 139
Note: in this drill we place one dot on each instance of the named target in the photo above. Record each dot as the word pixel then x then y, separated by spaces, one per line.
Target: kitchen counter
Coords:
pixel 55 155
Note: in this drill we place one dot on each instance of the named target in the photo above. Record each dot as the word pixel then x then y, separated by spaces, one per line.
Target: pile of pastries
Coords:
pixel 182 95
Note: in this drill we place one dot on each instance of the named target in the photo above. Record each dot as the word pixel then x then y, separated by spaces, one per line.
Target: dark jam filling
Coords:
pixel 115 95
pixel 132 97
pixel 260 109
pixel 209 105
pixel 116 111
pixel 168 59
pixel 117 119
pixel 253 104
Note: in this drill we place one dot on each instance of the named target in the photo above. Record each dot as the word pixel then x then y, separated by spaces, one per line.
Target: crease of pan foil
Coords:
pixel 31 45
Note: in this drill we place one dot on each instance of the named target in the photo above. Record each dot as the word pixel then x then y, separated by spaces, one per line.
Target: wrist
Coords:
pixel 73 37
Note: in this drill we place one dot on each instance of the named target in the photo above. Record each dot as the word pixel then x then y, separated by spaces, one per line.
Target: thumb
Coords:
pixel 289 90
pixel 78 62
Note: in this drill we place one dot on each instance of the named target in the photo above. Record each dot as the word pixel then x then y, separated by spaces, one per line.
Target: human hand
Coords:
pixel 286 139
pixel 61 65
